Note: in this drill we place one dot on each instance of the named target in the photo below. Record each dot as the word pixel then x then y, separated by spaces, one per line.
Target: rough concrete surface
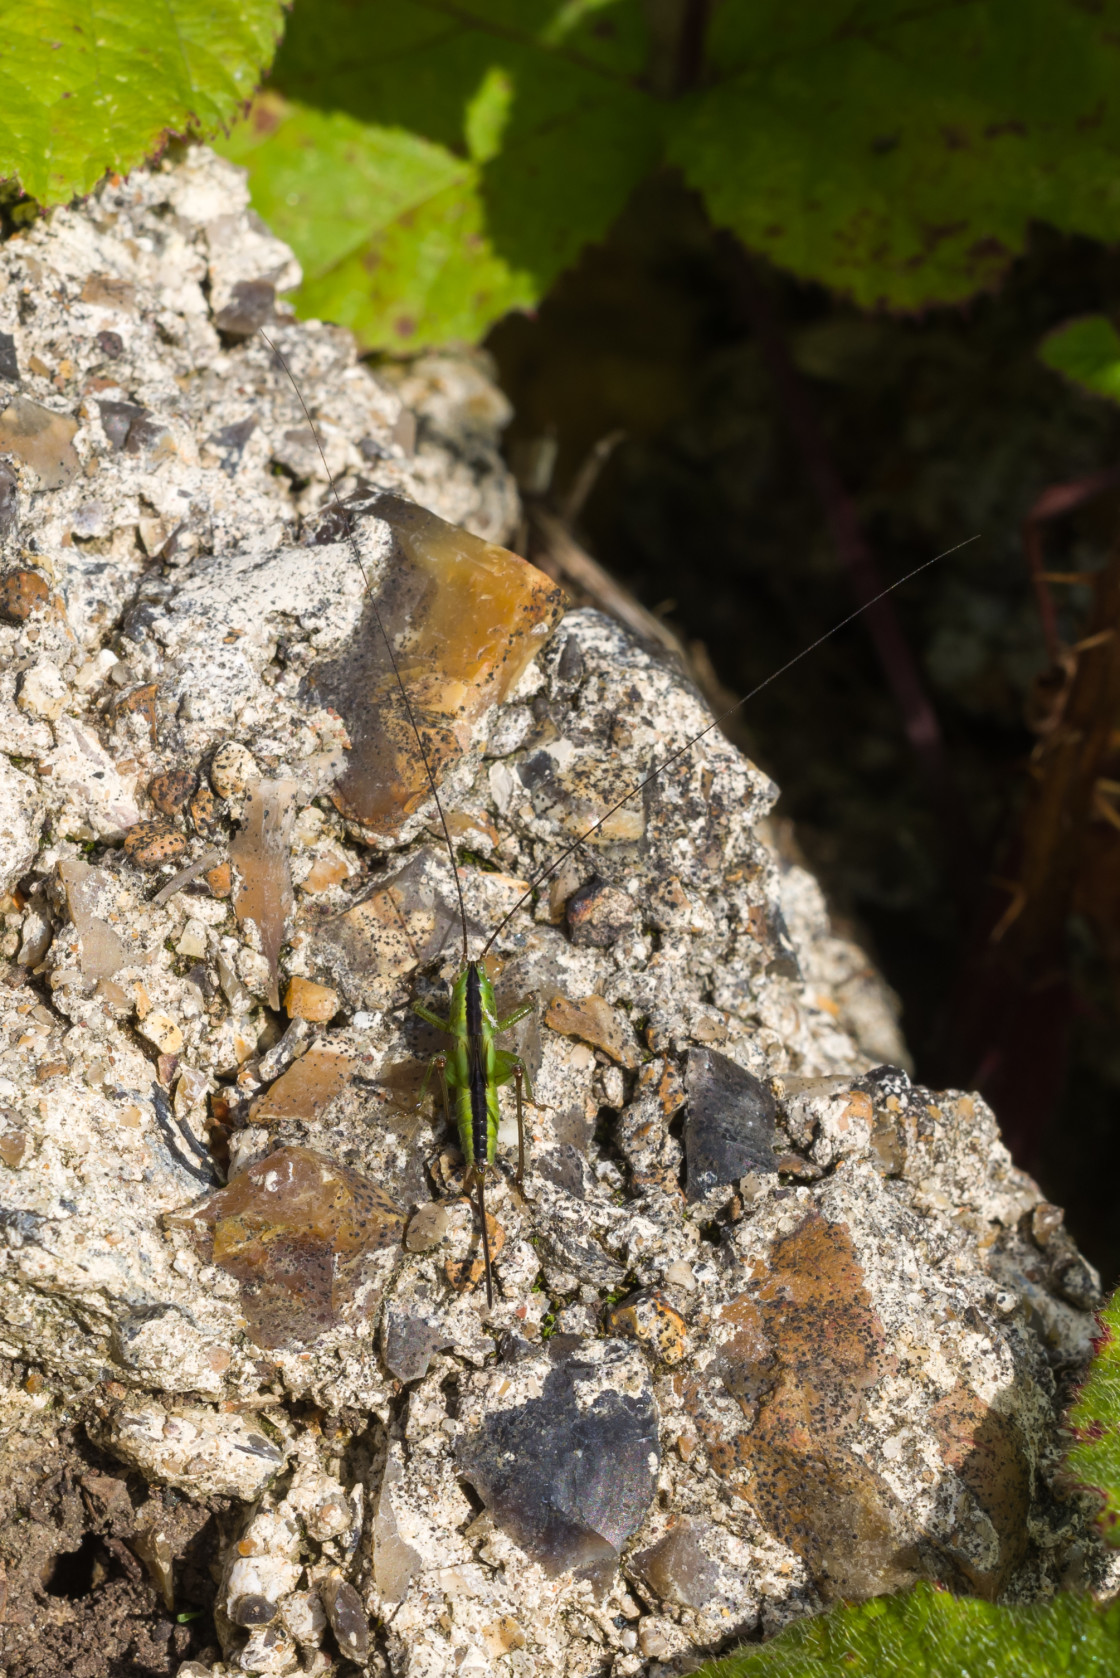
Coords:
pixel 771 1325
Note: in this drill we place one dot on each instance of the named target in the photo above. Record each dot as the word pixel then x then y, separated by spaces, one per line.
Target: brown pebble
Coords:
pixel 165 1068
pixel 326 871
pixel 150 844
pixel 220 880
pixel 170 791
pixel 203 809
pixel 21 593
pixel 305 1000
pixel 13 1148
pixel 427 1227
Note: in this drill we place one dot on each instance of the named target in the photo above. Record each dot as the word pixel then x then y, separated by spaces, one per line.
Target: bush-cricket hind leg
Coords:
pixel 507 1066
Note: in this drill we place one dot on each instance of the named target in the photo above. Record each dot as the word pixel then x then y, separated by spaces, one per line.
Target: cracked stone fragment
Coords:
pixel 596 1022
pixel 412 1331
pixel 302 1235
pixel 563 1449
pixel 305 1000
pixel 259 851
pixel 153 1546
pixel 84 773
pixel 42 439
pixel 395 1563
pixel 388 934
pixel 306 1089
pixel 129 427
pixel 464 618
pixel 9 501
pixel 677 1569
pixel 575 1255
pixel 208 1453
pixel 652 1153
pixel 598 914
pixel 343 1607
pixel 730 1125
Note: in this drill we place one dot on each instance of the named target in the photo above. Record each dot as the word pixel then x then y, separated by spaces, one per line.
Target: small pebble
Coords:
pixel 171 791
pixel 193 942
pixel 427 1227
pixel 203 809
pixel 13 1148
pixel 21 594
pixel 233 769
pixel 139 702
pixel 220 880
pixel 348 1619
pixel 43 691
pixel 599 914
pixel 150 844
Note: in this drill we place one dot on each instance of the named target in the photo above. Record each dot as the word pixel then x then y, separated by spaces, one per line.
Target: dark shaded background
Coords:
pixel 943 427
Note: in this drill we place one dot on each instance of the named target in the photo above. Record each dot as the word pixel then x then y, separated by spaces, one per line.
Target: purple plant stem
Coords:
pixel 918 716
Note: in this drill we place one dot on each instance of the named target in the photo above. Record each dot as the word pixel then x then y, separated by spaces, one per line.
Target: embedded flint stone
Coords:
pixel 463 617
pixel 42 439
pixel 259 851
pixel 677 1569
pixel 300 1233
pixel 570 1473
pixel 729 1130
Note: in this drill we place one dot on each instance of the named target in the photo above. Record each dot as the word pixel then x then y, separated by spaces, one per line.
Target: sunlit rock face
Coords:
pixel 771 1325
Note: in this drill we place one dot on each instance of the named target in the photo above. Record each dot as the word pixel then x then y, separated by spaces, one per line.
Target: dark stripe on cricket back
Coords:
pixel 475 1067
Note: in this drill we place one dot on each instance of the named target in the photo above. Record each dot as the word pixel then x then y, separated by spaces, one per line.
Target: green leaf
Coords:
pixel 929 1634
pixel 898 153
pixel 92 85
pixel 1095 1416
pixel 1088 352
pixel 435 165
pixel 326 182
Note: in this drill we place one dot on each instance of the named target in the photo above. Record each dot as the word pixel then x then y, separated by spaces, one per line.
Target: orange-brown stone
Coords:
pixel 778 1406
pixel 305 1000
pixel 150 844
pixel 464 618
pixel 596 1022
pixel 306 1089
